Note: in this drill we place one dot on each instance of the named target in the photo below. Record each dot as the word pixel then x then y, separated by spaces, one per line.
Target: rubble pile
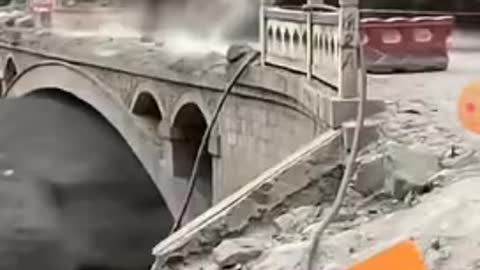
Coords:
pixel 16 18
pixel 400 179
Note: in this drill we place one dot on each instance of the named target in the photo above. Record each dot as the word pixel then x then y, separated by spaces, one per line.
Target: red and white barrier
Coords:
pixel 42 11
pixel 406 44
pixel 40 6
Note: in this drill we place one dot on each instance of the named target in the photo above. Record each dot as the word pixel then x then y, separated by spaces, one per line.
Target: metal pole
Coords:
pixel 309 44
pixel 349 27
pixel 263 33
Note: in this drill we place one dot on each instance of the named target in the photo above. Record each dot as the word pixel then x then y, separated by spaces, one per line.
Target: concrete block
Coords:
pixel 412 168
pixel 368 134
pixel 297 218
pixel 371 174
pixel 26 21
pixel 344 110
pixel 237 251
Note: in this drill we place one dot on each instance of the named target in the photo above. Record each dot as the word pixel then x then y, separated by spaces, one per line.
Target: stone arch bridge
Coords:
pixel 161 105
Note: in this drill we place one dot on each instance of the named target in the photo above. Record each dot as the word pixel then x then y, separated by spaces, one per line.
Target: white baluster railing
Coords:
pixel 301 40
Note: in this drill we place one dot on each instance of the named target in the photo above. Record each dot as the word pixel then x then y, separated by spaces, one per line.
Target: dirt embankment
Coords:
pixel 425 191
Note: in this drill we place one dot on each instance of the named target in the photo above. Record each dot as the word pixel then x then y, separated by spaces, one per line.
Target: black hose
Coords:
pixel 206 136
pixel 348 170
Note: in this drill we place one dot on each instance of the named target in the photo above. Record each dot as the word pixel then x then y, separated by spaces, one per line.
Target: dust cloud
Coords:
pixel 221 19
pixel 73 195
pixel 182 25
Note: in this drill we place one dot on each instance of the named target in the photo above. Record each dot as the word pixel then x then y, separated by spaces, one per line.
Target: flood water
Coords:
pixel 72 193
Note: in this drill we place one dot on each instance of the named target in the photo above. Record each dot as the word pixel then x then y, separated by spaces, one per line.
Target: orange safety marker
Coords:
pixel 469 107
pixel 403 256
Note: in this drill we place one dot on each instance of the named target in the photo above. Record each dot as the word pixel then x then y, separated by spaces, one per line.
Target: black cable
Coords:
pixel 206 136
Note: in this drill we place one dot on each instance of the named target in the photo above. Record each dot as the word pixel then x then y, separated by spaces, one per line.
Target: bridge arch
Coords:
pixel 84 86
pixel 148 107
pixel 191 98
pixel 190 118
pixel 191 124
pixel 8 73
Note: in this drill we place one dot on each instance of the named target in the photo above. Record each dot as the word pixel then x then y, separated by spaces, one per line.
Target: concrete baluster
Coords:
pixel 349 42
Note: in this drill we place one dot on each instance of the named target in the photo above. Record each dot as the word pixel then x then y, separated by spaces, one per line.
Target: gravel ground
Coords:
pixel 439 89
pixel 421 112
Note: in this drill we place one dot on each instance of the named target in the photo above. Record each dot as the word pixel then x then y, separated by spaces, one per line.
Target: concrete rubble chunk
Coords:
pixel 459 157
pixel 284 257
pixel 412 167
pixel 371 174
pixel 25 21
pixel 369 134
pixel 237 251
pixel 296 219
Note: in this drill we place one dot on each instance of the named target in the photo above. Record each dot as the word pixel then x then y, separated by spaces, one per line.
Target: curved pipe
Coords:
pixel 348 171
pixel 206 136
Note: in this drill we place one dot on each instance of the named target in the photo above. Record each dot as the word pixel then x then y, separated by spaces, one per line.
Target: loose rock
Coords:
pixel 237 251
pixel 370 177
pixel 296 219
pixel 412 168
pixel 26 21
pixel 284 257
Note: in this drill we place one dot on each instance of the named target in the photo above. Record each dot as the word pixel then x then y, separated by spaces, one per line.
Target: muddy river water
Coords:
pixel 72 193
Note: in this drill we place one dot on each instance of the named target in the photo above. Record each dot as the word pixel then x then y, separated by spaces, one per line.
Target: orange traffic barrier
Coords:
pixel 469 107
pixel 402 256
pixel 406 44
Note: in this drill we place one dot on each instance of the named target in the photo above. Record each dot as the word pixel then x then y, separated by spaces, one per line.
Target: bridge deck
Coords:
pixel 201 69
pixel 122 53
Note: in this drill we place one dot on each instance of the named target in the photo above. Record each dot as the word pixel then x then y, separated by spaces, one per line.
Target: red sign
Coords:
pixel 42 5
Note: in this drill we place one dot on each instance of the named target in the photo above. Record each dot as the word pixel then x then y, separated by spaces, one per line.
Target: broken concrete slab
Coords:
pixel 448 213
pixel 231 215
pixel 371 174
pixel 296 219
pixel 237 251
pixel 368 134
pixel 284 257
pixel 411 168
pixel 344 110
pixel 25 21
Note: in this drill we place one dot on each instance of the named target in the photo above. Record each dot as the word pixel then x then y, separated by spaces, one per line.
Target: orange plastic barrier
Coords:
pixel 41 6
pixel 403 256
pixel 469 107
pixel 406 44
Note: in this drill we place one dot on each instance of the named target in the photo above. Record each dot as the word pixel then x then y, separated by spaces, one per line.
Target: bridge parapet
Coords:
pixel 304 40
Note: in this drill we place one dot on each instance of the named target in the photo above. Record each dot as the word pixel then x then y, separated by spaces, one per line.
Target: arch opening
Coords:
pixel 191 125
pixel 146 106
pixel 10 72
pixel 96 174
